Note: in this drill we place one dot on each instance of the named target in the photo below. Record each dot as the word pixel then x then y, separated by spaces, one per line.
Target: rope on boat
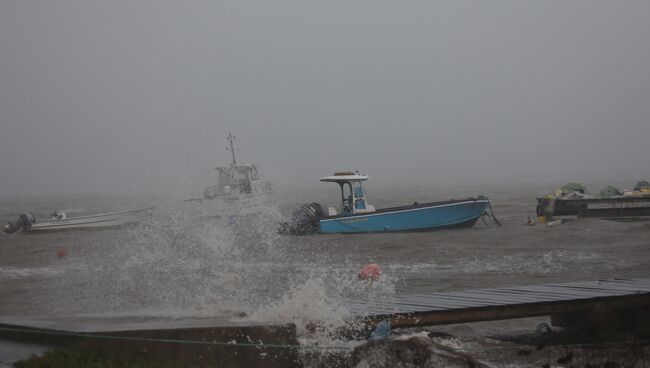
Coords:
pixel 492 214
pixel 483 219
pixel 262 345
pixel 481 214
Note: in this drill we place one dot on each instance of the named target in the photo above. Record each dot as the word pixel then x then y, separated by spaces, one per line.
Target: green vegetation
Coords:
pixel 85 356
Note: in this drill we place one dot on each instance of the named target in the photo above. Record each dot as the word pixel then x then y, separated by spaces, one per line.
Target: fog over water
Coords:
pixel 126 96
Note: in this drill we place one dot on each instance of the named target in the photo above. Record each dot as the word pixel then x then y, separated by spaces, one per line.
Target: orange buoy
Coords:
pixel 62 253
pixel 370 271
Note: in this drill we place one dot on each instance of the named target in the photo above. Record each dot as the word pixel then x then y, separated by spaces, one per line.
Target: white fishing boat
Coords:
pixel 60 221
pixel 239 189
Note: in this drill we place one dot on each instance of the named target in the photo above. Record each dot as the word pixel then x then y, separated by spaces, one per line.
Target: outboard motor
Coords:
pixel 303 221
pixel 24 222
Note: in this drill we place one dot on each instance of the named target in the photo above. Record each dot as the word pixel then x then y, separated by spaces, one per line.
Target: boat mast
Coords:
pixel 231 138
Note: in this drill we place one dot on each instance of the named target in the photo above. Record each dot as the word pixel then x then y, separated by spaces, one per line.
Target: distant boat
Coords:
pixel 59 221
pixel 358 216
pixel 239 189
pixel 611 203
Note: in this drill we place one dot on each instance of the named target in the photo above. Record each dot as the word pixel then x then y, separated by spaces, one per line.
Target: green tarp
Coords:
pixel 609 191
pixel 574 187
pixel 642 185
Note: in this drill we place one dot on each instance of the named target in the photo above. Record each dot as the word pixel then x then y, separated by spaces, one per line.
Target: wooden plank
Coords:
pixel 501 299
pixel 589 290
pixel 423 304
pixel 639 286
pixel 584 284
pixel 563 292
pixel 517 296
pixel 568 295
pixel 617 284
pixel 509 311
pixel 625 286
pixel 586 291
pixel 463 297
pixel 446 301
pixel 598 290
pixel 504 296
pixel 406 307
pixel 388 306
pixel 541 291
pixel 630 281
pixel 463 301
pixel 405 304
pixel 369 308
pixel 499 303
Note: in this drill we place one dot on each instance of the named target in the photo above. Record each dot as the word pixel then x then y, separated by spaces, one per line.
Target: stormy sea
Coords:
pixel 184 260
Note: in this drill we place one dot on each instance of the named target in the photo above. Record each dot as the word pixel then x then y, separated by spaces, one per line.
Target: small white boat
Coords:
pixel 59 221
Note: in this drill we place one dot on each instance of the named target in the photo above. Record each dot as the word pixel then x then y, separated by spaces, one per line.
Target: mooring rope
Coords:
pixel 262 345
pixel 492 213
pixel 175 341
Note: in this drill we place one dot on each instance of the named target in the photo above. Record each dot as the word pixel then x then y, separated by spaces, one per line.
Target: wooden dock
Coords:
pixel 615 208
pixel 438 308
pixel 614 300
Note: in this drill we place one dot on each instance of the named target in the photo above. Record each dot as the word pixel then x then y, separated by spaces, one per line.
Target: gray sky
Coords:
pixel 118 96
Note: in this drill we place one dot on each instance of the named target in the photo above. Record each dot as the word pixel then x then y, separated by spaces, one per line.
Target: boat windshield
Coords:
pixel 352 196
pixel 346 194
pixel 358 190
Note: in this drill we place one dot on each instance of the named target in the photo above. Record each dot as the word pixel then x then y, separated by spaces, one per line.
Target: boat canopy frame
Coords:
pixel 355 201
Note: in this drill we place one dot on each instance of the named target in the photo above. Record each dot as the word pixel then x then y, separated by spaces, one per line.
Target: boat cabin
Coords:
pixel 237 179
pixel 353 195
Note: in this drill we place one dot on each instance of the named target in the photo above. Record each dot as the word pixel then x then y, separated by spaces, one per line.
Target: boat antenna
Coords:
pixel 231 139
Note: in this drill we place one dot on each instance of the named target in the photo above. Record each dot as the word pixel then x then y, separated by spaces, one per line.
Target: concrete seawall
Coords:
pixel 191 342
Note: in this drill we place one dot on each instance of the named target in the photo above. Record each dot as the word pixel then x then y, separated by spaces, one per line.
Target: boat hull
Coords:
pixel 240 205
pixel 245 205
pixel 87 222
pixel 418 217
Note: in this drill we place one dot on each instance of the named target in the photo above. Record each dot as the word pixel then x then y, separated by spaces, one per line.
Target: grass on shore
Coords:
pixel 83 356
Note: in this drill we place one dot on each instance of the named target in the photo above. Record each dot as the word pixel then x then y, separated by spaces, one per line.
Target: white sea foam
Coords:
pixel 303 304
pixel 184 261
pixel 547 263
pixel 26 272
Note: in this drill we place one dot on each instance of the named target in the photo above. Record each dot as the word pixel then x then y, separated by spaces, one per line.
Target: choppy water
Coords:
pixel 183 262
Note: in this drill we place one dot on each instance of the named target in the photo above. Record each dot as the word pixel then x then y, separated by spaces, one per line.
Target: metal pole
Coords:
pixel 232 148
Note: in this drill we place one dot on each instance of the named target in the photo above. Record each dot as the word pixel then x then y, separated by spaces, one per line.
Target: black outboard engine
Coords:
pixel 303 221
pixel 24 222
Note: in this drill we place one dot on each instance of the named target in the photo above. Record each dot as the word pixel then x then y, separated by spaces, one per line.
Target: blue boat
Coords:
pixel 356 215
